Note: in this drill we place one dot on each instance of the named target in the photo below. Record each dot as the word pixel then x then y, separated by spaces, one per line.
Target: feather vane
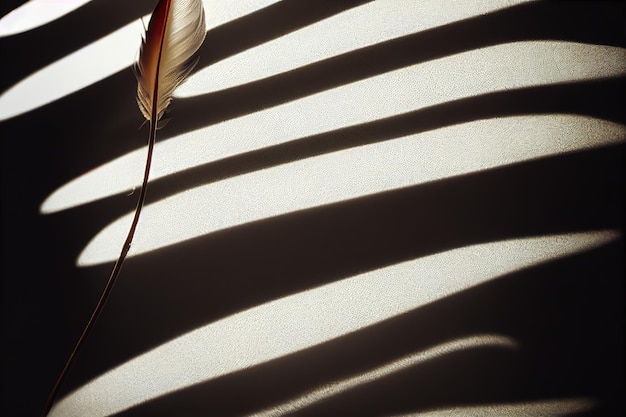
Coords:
pixel 175 32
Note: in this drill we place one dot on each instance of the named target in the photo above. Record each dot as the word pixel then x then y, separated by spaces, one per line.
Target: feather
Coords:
pixel 175 32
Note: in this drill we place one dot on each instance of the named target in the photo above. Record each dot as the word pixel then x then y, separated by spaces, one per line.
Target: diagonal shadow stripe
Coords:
pixel 268 23
pixel 347 175
pixel 256 262
pixel 349 105
pixel 33 14
pixel 599 98
pixel 566 98
pixel 266 332
pixel 473 33
pixel 115 114
pixel 594 98
pixel 335 388
pixel 525 305
pixel 553 408
pixel 331 37
pixel 67 34
pixel 319 10
pixel 526 22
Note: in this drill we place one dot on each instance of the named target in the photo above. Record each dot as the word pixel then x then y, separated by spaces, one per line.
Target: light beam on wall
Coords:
pixel 335 388
pixel 546 408
pixel 348 174
pixel 101 59
pixel 332 37
pixel 442 80
pixel 296 322
pixel 36 13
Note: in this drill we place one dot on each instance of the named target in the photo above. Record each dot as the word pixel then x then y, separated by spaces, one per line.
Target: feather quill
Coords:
pixel 175 33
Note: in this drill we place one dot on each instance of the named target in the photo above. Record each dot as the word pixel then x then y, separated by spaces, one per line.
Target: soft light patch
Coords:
pixel 334 36
pixel 439 81
pixel 348 174
pixel 296 322
pixel 546 408
pixel 334 388
pixel 35 13
pixel 101 59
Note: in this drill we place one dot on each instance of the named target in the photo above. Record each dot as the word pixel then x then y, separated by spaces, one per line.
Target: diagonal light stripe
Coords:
pixel 337 387
pixel 293 323
pixel 548 408
pixel 35 13
pixel 438 81
pixel 219 12
pixel 351 173
pixel 354 29
pixel 101 59
pixel 73 72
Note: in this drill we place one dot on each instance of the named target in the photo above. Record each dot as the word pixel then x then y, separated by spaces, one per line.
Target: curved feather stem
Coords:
pixel 173 48
pixel 114 273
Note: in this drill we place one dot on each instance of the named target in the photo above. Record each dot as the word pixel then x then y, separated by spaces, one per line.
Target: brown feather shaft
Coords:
pixel 174 34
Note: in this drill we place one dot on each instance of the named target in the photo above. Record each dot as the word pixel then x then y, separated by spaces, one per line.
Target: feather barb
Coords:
pixel 175 32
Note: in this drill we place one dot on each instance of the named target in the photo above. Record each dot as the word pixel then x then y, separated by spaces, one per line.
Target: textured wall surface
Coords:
pixel 356 208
